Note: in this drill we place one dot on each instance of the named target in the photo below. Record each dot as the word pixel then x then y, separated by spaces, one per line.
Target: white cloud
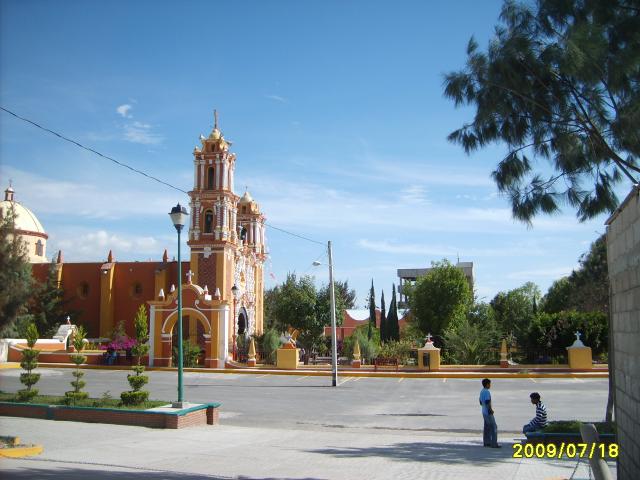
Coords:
pixel 123 110
pixel 276 98
pixel 138 132
pixel 87 245
pixel 85 200
pixel 413 194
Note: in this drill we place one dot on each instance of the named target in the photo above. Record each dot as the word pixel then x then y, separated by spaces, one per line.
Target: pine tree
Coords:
pixel 372 312
pixel 384 330
pixel 393 327
pixel 47 305
pixel 15 274
pixel 558 86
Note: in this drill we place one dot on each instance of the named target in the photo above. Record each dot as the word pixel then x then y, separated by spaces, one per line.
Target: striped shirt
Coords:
pixel 541 416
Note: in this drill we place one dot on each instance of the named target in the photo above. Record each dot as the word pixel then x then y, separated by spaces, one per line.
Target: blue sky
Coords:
pixel 337 116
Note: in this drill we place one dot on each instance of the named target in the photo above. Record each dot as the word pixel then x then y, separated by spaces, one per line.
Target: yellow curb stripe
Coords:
pixel 445 373
pixel 19 452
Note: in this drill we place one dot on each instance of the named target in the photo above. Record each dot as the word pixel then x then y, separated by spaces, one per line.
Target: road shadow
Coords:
pixel 264 387
pixel 100 472
pixel 448 453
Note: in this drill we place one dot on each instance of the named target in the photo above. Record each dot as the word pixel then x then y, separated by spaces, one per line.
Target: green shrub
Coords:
pixel 270 344
pixel 78 359
pixel 141 348
pixel 29 363
pixel 399 350
pixel 368 347
pixel 190 354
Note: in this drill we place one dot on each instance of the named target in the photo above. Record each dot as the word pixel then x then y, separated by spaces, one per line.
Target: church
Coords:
pixel 222 280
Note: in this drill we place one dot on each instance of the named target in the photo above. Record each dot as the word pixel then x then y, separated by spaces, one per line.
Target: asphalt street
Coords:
pixel 385 404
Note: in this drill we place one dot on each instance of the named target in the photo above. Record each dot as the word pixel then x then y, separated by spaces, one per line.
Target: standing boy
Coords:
pixel 490 433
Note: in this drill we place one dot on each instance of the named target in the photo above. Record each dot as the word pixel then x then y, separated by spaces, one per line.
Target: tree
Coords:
pixel 344 298
pixel 384 329
pixel 514 309
pixel 47 304
pixel 295 306
pixel 558 83
pixel 439 298
pixel 372 311
pixel 15 274
pixel 392 326
pixel 587 288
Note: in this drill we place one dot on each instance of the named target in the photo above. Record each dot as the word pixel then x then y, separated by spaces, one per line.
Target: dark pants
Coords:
pixel 530 428
pixel 490 433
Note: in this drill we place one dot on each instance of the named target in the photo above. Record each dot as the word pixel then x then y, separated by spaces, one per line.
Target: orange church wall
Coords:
pixel 81 285
pixel 126 300
pixel 86 301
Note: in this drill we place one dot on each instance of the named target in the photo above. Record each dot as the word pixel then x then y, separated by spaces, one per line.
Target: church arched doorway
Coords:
pixel 242 322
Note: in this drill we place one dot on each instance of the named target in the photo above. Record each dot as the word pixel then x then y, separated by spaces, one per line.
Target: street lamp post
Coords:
pixel 179 217
pixel 334 339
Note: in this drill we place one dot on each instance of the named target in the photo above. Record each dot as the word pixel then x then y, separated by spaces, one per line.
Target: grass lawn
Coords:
pixel 103 402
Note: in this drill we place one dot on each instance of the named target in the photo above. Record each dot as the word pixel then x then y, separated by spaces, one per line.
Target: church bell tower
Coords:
pixel 226 234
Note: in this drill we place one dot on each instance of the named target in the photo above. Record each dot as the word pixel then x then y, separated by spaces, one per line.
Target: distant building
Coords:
pixel 353 318
pixel 410 275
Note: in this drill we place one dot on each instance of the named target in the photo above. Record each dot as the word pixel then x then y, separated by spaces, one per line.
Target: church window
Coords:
pixel 136 290
pixel 83 290
pixel 244 209
pixel 208 221
pixel 39 248
pixel 210 177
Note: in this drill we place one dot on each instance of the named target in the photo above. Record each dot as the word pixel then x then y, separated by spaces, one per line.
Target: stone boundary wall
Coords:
pixel 205 414
pixel 623 256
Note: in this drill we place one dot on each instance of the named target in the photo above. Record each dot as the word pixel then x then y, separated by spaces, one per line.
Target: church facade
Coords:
pixel 227 249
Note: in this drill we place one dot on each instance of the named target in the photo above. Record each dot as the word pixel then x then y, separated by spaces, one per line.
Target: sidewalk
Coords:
pixel 79 450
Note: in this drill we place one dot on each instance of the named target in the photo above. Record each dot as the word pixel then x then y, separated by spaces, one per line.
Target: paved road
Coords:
pixel 421 404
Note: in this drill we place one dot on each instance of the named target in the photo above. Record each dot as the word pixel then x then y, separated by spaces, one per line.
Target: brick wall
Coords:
pixel 623 254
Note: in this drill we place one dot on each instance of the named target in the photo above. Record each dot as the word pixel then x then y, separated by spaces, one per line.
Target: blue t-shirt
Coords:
pixel 485 396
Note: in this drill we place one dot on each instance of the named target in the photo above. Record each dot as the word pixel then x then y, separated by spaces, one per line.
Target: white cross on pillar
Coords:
pixel 428 337
pixel 189 276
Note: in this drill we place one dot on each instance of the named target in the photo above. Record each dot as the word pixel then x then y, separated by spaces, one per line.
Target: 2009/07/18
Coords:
pixel 569 450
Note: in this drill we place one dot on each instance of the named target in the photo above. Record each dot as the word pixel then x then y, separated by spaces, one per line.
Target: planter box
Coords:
pixel 557 438
pixel 198 414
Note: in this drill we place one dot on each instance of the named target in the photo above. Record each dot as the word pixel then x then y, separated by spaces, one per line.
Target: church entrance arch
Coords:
pixel 243 322
pixel 198 337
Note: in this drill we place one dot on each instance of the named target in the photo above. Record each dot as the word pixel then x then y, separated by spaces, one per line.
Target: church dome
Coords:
pixel 246 198
pixel 27 225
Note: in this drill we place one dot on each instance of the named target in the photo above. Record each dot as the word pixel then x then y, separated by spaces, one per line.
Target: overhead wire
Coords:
pixel 133 169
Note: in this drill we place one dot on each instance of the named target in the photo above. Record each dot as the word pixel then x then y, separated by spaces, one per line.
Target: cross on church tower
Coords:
pixel 189 276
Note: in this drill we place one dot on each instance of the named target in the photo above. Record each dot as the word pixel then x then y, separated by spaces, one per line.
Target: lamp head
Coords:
pixel 235 291
pixel 179 216
pixel 316 263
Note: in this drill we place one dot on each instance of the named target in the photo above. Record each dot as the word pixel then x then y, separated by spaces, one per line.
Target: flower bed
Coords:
pixel 569 432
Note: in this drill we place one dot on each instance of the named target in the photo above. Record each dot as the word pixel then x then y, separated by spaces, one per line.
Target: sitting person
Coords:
pixel 540 420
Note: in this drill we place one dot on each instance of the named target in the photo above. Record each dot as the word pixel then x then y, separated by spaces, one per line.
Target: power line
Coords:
pixel 135 170
pixel 78 144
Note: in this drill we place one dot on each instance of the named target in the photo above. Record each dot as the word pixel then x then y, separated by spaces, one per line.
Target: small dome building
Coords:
pixel 26 225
